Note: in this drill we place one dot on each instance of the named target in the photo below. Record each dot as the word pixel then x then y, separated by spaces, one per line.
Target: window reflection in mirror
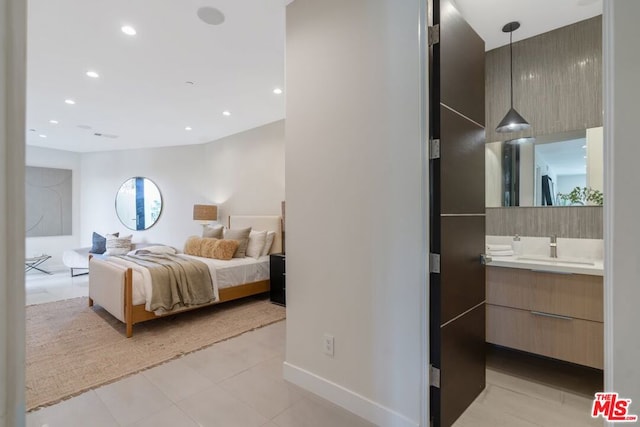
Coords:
pixel 540 173
pixel 138 203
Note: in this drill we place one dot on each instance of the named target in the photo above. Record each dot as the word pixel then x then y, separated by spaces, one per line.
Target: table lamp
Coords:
pixel 205 214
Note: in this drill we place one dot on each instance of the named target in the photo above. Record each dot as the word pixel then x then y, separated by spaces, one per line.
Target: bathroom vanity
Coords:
pixel 546 307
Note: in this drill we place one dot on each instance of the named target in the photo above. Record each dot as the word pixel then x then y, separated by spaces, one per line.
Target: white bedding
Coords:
pixel 224 274
pixel 237 271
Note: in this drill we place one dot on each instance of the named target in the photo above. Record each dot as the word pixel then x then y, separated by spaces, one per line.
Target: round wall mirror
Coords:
pixel 138 203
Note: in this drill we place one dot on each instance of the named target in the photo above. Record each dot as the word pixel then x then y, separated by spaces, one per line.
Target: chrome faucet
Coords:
pixel 553 246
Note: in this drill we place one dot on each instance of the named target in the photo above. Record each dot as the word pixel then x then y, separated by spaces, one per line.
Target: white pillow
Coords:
pixel 158 249
pixel 118 245
pixel 257 239
pixel 271 235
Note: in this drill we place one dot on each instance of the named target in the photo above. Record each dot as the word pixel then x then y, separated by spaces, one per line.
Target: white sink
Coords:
pixel 553 261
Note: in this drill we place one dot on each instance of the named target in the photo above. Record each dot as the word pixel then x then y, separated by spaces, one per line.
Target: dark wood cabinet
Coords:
pixel 278 279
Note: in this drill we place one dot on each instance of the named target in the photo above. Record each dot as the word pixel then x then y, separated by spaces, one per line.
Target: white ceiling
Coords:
pixel 488 17
pixel 141 95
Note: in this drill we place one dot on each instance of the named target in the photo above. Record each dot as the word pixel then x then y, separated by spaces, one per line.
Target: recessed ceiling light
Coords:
pixel 53 122
pixel 226 113
pixel 277 91
pixel 69 101
pixel 93 74
pixel 584 146
pixel 187 128
pixel 42 136
pixel 129 30
pixel 585 157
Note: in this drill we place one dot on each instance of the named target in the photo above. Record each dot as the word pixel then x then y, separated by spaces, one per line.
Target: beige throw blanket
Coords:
pixel 175 281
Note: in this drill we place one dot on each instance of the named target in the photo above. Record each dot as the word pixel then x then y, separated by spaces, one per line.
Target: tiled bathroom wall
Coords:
pixel 579 222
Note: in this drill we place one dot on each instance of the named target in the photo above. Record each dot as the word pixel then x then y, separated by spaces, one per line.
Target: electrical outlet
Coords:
pixel 327 345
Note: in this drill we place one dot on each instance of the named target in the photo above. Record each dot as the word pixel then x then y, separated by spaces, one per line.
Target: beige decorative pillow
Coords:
pixel 118 245
pixel 208 246
pixel 212 232
pixel 271 235
pixel 192 246
pixel 257 239
pixel 225 249
pixel 242 236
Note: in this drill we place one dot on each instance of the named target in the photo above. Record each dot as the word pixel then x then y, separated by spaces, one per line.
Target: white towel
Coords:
pixel 499 248
pixel 501 253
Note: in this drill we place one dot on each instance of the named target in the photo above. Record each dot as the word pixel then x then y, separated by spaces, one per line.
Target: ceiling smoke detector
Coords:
pixel 210 15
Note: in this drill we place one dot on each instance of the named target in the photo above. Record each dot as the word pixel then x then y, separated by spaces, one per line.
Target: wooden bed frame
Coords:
pixel 131 314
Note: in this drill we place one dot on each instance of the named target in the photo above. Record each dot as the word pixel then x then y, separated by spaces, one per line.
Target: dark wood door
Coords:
pixel 457 209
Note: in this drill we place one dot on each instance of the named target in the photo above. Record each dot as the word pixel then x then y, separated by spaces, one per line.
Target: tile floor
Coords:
pixel 41 288
pixel 239 383
pixel 525 391
pixel 233 383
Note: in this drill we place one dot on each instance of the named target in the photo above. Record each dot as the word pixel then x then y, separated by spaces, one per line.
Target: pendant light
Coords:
pixel 513 121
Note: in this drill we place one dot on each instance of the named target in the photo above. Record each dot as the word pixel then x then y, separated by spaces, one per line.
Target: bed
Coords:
pixel 122 289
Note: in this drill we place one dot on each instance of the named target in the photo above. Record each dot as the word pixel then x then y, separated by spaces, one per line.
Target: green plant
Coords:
pixel 582 196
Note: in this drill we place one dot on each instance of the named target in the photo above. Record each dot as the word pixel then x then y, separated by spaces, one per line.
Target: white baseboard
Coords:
pixel 351 401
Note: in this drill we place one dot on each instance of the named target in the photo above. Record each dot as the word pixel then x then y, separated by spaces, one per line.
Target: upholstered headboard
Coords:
pixel 269 223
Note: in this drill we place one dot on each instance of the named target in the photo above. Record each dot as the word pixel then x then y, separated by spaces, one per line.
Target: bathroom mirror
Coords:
pixel 539 173
pixel 138 203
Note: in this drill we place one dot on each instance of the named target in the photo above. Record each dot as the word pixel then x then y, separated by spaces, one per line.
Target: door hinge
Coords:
pixel 434 149
pixel 434 376
pixel 434 35
pixel 434 263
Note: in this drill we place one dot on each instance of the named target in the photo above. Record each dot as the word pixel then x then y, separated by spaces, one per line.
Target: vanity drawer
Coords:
pixel 573 340
pixel 574 295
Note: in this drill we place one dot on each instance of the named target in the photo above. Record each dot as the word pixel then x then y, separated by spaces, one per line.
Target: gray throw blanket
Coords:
pixel 175 281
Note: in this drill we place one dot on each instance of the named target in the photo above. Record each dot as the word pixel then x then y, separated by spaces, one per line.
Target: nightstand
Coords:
pixel 277 276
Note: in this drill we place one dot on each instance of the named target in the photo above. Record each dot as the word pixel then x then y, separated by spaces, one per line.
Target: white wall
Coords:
pixel 595 160
pixel 493 174
pixel 178 173
pixel 12 127
pixel 356 247
pixel 56 245
pixel 566 183
pixel 243 172
pixel 622 206
pixel 527 174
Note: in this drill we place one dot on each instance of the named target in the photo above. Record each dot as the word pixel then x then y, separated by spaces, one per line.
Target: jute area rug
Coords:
pixel 72 348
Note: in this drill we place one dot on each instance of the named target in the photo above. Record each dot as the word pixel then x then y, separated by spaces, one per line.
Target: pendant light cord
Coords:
pixel 511 65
